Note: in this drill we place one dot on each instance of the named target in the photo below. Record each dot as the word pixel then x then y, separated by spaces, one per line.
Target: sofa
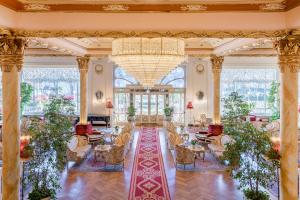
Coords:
pixel 78 148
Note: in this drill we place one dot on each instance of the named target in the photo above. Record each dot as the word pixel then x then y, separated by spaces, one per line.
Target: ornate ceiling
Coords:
pixel 150 1
pixel 102 46
pixel 94 43
pixel 150 5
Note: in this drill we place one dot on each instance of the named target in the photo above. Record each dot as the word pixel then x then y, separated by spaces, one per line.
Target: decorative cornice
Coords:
pixel 11 53
pixel 150 34
pixel 216 62
pixel 36 7
pixel 193 8
pixel 83 63
pixel 273 7
pixel 115 7
pixel 288 50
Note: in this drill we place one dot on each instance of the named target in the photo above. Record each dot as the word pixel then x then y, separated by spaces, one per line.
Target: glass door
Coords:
pixel 149 107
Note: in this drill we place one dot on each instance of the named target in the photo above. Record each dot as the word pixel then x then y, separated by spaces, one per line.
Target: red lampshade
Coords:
pixel 189 105
pixel 109 105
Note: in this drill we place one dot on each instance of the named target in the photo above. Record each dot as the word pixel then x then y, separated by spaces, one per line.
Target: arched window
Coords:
pixel 176 78
pixel 122 79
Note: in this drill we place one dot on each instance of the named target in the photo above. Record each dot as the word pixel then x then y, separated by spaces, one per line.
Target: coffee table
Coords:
pixel 198 150
pixel 100 151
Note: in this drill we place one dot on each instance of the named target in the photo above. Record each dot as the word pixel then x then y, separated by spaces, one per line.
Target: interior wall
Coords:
pixel 100 82
pixel 195 82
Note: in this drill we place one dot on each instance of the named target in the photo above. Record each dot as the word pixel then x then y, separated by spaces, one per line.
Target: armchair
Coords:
pixel 184 156
pixel 115 156
pixel 78 148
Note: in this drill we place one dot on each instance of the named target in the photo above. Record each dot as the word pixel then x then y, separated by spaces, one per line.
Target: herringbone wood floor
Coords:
pixel 183 185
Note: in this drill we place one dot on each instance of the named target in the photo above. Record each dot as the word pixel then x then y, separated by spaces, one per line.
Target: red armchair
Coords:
pixel 215 130
pixel 84 129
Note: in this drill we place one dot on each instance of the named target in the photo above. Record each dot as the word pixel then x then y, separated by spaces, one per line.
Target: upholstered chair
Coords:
pixel 115 156
pixel 171 140
pixel 126 140
pixel 184 156
pixel 118 141
pixel 78 148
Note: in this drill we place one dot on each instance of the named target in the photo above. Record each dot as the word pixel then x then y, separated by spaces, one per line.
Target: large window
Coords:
pixel 51 82
pixel 48 82
pixel 253 84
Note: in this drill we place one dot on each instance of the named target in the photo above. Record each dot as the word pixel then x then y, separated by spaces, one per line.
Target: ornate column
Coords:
pixel 11 61
pixel 83 65
pixel 216 62
pixel 289 62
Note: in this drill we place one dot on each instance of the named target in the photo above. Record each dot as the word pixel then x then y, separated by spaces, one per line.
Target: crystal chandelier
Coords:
pixel 148 59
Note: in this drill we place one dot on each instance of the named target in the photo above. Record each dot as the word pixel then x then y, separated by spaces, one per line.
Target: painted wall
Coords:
pixel 102 82
pixel 196 81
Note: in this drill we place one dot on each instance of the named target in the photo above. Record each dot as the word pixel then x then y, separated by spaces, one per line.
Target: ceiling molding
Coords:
pixel 144 6
pixel 149 34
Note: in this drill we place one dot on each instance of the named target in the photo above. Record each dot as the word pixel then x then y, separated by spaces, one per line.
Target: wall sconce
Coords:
pixel 200 95
pixel 99 95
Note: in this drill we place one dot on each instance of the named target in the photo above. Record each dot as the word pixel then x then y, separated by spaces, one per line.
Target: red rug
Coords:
pixel 148 179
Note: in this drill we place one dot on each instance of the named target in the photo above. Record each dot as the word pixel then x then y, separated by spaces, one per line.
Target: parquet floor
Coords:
pixel 183 185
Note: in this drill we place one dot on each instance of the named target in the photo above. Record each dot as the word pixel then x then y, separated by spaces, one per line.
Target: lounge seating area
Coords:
pixel 140 100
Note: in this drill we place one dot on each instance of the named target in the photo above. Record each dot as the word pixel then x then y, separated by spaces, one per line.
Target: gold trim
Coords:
pixel 149 34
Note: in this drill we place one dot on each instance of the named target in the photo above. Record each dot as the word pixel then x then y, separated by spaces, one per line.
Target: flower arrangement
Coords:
pixel 194 142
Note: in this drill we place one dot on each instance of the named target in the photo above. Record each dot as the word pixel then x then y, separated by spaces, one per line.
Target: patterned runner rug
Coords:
pixel 148 179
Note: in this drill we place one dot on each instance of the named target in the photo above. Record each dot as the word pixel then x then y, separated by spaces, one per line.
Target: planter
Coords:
pixel 131 118
pixel 168 118
pixel 47 198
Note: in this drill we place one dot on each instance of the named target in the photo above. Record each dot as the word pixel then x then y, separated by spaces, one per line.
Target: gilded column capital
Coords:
pixel 83 63
pixel 11 53
pixel 288 50
pixel 216 62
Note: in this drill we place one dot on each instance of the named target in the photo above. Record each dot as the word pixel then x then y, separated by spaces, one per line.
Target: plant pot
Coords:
pixel 130 118
pixel 168 118
pixel 47 198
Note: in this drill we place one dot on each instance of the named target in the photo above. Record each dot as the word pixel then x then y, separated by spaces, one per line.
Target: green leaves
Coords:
pixel 168 111
pixel 131 111
pixel 247 155
pixel 251 156
pixel 49 138
pixel 26 94
pixel 274 100
pixel 235 109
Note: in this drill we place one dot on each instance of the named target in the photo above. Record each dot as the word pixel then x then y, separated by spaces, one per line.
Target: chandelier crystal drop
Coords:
pixel 148 59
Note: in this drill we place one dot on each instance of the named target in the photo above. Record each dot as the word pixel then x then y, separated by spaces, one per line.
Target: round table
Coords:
pixel 198 150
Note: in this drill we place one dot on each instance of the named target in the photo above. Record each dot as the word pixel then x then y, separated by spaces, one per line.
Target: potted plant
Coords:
pixel 194 142
pixel 131 113
pixel 251 156
pixel 168 113
pixel 49 138
pixel 116 129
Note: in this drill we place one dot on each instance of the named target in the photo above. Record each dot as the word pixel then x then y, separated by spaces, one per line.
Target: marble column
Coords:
pixel 11 61
pixel 83 65
pixel 289 62
pixel 216 62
